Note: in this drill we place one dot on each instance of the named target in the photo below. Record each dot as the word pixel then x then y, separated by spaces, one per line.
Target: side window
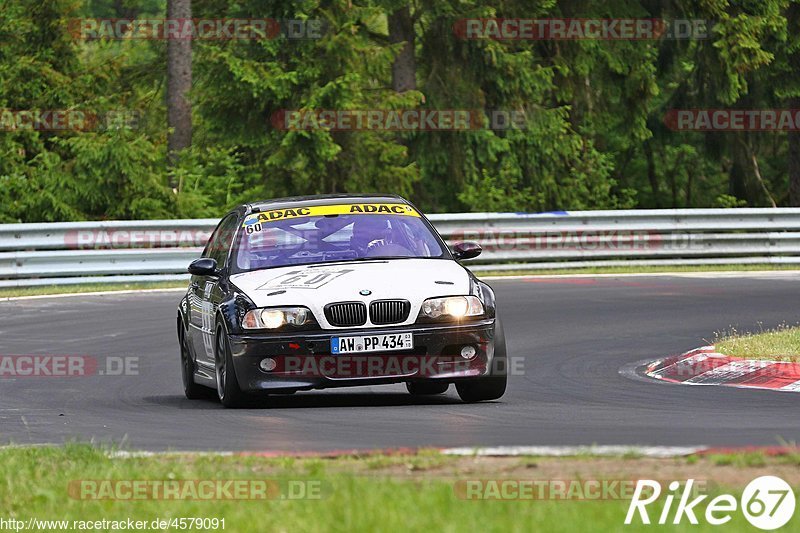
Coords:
pixel 220 242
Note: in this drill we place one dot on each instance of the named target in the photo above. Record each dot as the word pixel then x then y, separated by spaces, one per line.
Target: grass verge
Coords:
pixel 781 344
pixel 13 292
pixel 388 493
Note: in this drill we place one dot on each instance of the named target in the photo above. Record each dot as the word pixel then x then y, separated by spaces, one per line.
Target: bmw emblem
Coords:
pixel 365 292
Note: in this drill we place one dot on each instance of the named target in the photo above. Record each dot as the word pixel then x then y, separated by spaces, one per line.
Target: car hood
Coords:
pixel 315 286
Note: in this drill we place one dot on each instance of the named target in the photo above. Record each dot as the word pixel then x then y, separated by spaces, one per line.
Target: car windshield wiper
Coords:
pixel 385 257
pixel 363 259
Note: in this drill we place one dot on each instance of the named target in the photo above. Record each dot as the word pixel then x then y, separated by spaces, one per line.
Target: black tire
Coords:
pixel 492 386
pixel 228 391
pixel 192 390
pixel 426 389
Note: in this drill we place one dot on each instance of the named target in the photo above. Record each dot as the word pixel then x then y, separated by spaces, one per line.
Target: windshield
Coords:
pixel 322 234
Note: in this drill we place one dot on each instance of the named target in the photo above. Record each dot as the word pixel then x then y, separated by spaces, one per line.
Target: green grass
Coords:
pixel 423 460
pixel 34 483
pixel 742 460
pixel 751 459
pixel 782 343
pixel 12 292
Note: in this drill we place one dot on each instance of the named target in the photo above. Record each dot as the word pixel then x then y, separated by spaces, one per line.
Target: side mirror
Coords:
pixel 466 250
pixel 205 266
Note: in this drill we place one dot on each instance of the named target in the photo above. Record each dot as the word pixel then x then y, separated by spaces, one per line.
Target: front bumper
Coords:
pixel 304 360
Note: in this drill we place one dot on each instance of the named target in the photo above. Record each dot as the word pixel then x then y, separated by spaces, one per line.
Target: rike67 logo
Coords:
pixel 767 503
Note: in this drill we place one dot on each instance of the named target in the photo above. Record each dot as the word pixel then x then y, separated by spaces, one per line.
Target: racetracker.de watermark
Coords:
pixel 733 119
pixel 196 29
pixel 108 238
pixel 398 119
pixel 576 29
pixel 196 489
pixel 765 369
pixel 365 365
pixel 66 366
pixel 497 240
pixel 551 489
pixel 66 120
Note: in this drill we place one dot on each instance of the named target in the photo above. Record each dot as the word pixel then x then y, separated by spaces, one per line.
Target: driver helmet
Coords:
pixel 367 229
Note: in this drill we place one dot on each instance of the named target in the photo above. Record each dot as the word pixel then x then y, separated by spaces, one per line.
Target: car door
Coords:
pixel 204 293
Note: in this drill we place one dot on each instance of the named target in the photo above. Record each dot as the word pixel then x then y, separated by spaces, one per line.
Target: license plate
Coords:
pixel 372 343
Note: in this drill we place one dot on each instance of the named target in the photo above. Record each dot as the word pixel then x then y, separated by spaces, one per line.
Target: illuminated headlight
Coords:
pixel 276 317
pixel 456 307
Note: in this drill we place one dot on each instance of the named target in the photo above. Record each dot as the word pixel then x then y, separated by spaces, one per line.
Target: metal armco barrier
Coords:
pixel 159 250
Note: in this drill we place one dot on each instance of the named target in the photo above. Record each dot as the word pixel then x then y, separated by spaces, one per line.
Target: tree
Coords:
pixel 594 135
pixel 793 159
pixel 404 69
pixel 179 83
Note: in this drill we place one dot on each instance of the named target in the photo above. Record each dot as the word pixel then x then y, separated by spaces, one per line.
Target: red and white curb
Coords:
pixel 704 366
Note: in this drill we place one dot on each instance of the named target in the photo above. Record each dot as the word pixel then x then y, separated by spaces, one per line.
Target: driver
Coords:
pixel 369 231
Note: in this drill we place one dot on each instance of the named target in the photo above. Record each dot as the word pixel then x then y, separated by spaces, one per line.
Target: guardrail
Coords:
pixel 157 250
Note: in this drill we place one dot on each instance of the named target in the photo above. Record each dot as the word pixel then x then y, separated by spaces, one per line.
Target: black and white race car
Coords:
pixel 334 291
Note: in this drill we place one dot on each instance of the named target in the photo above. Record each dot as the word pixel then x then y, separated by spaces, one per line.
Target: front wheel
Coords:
pixel 228 391
pixel 493 385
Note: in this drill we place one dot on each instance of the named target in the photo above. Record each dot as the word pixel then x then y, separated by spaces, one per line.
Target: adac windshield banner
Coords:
pixel 327 210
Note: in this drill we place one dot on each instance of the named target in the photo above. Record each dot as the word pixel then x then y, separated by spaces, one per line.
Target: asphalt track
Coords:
pixel 575 335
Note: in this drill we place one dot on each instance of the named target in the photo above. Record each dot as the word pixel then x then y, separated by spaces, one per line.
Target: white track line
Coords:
pixel 121 454
pixel 96 293
pixel 705 274
pixel 662 452
pixel 566 451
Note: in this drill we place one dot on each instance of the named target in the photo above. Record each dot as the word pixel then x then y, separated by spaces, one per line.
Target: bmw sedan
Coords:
pixel 330 291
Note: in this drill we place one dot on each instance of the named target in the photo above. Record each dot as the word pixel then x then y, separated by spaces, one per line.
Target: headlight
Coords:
pixel 452 307
pixel 277 317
